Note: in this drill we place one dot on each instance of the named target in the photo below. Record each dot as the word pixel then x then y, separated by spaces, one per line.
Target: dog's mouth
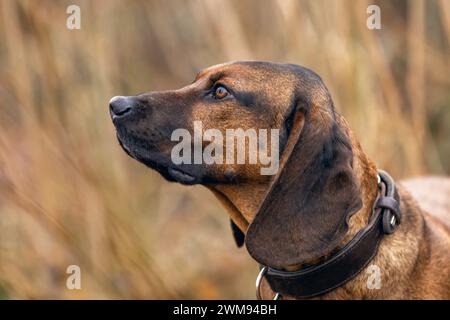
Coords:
pixel 158 163
pixel 169 172
pixel 181 176
pixel 124 147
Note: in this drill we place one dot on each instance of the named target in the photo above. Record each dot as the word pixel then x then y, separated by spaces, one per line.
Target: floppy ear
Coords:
pixel 306 211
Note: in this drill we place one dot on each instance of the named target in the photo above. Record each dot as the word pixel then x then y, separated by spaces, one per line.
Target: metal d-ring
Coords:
pixel 259 278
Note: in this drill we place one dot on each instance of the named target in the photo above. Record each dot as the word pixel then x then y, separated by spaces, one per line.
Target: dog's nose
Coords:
pixel 119 106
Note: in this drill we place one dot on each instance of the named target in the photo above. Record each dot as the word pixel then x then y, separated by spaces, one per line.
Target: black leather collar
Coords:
pixel 347 262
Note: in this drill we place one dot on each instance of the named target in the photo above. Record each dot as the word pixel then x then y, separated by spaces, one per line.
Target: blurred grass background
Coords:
pixel 70 195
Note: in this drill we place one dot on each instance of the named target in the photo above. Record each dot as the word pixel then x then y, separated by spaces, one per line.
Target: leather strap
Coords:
pixel 351 259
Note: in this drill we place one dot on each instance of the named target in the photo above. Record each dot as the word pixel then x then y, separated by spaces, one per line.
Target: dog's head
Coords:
pixel 314 192
pixel 246 95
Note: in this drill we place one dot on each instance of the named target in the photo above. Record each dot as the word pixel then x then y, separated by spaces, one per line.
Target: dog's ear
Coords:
pixel 306 211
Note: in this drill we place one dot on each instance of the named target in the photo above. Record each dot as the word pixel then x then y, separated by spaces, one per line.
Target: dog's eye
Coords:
pixel 220 92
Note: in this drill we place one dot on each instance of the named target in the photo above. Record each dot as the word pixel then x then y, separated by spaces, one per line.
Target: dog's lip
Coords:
pixel 124 146
pixel 181 175
pixel 169 171
pixel 117 117
pixel 176 173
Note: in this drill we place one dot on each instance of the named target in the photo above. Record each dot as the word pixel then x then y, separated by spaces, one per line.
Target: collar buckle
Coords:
pixel 391 213
pixel 259 278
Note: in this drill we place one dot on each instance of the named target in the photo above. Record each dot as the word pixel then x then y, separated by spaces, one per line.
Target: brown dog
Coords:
pixel 323 193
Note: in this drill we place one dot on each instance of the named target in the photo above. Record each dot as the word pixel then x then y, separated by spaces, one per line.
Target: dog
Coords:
pixel 323 195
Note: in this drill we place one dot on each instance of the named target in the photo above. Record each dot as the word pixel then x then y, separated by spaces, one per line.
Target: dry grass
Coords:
pixel 69 195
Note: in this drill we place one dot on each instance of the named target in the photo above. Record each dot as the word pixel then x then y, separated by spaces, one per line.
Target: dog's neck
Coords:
pixel 243 201
pixel 366 173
